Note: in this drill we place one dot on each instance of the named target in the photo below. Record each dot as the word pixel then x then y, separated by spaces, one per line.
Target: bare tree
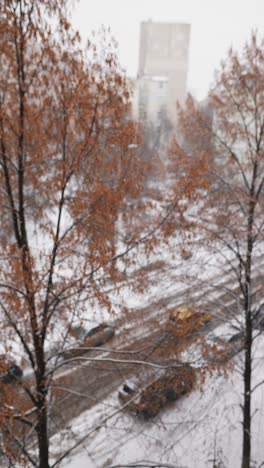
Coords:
pixel 225 155
pixel 66 170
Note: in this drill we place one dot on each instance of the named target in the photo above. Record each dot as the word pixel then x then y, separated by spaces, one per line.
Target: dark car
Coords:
pixel 97 336
pixel 147 400
pixel 10 372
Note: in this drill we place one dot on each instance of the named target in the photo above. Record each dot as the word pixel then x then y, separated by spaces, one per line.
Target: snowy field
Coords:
pixel 200 428
pixel 192 433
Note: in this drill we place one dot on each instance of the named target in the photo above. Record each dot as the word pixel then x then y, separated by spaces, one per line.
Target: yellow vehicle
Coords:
pixel 187 319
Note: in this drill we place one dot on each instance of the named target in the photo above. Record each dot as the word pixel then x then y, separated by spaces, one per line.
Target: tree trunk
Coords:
pixel 246 449
pixel 42 433
pixel 42 426
pixel 247 397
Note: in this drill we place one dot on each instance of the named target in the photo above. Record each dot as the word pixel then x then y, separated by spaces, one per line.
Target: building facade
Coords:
pixel 163 63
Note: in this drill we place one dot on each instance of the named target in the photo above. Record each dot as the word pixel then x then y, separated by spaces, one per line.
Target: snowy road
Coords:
pixel 84 386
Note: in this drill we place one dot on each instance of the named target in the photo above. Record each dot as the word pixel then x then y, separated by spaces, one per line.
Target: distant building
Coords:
pixel 163 66
pixel 153 92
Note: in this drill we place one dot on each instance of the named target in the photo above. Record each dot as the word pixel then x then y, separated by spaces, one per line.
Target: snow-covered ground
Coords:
pixel 198 428
pixel 201 427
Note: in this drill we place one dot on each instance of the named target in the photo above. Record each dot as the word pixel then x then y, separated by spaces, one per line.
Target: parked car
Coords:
pixel 186 319
pixel 186 254
pixel 97 336
pixel 147 400
pixel 9 370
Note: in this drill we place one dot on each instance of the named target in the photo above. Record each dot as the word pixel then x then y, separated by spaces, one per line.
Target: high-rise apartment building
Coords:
pixel 163 57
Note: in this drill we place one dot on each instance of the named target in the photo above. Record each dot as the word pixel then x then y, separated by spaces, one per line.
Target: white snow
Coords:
pixel 191 433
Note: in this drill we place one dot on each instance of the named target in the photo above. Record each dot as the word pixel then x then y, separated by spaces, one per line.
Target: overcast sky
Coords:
pixel 215 25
